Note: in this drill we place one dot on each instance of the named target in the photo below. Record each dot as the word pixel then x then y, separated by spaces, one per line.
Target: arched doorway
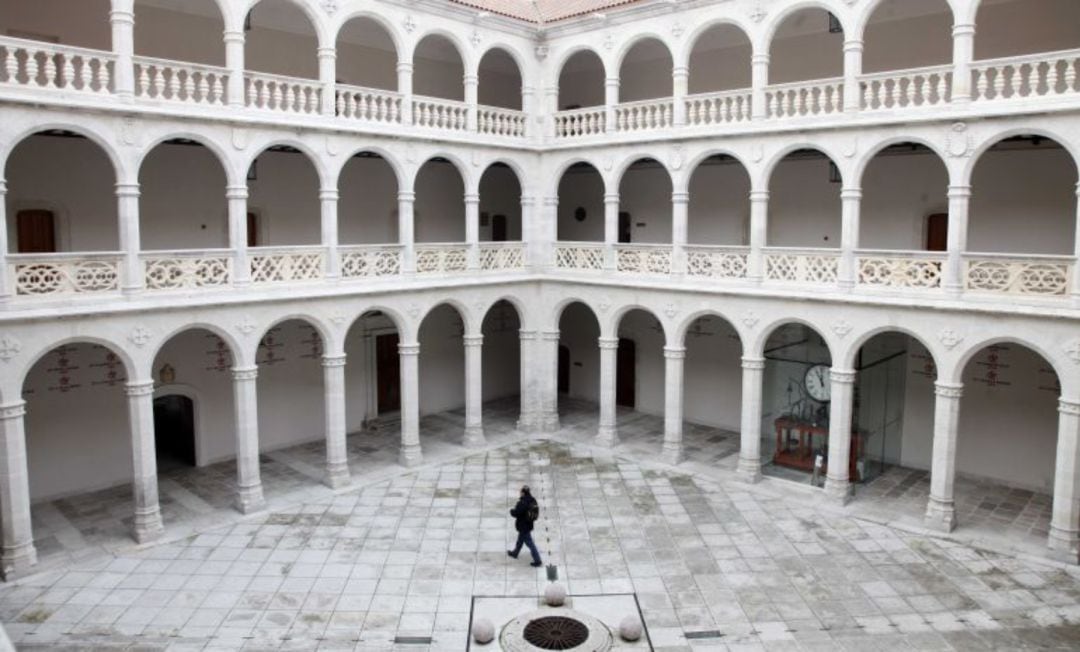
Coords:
pixel 174 431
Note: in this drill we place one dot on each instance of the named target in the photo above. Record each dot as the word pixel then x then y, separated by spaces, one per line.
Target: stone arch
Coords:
pixel 965 174
pixel 620 170
pixel 401 323
pixel 692 38
pixel 592 96
pixel 768 170
pixel 858 171
pixel 776 22
pixel 459 306
pixel 519 306
pixel 560 307
pixel 236 349
pixel 322 34
pixel 848 354
pixel 513 55
pixel 354 13
pixel 621 312
pixel 331 344
pixel 232 177
pixel 130 367
pixel 317 163
pixel 399 171
pixel 679 330
pixel 867 13
pixel 120 169
pixel 756 346
pixel 560 171
pixel 681 182
pixel 954 373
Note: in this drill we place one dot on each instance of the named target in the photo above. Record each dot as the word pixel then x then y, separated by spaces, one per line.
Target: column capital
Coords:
pixel 674 352
pixel 1069 406
pixel 759 195
pixel 139 388
pixel 760 58
pixel 851 194
pixel 528 200
pixel 527 90
pixel 471 80
pixel 549 336
pixel 611 81
pixel 842 376
pixel 959 192
pixel 680 71
pixel 411 349
pixel 3 187
pixel 245 373
pixel 853 45
pixel 232 36
pixel 333 360
pixel 122 15
pixel 473 340
pixel 472 198
pixel 329 194
pixel 405 66
pixel 236 192
pixel 611 198
pixel 608 342
pixel 680 198
pixel 327 53
pixel 551 201
pixel 526 335
pixel 753 364
pixel 963 29
pixel 406 195
pixel 13 410
pixel 949 390
pixel 127 190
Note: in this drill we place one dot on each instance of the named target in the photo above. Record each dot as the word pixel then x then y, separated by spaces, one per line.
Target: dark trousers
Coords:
pixel 525 539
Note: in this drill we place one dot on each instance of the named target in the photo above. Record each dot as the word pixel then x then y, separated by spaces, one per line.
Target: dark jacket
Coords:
pixel 521 514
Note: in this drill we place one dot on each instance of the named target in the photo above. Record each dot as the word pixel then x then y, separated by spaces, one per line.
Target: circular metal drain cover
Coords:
pixel 556 633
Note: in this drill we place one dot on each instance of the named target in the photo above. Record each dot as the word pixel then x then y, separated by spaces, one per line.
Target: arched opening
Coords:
pixel 279 39
pixel 719 210
pixel 366 55
pixel 438 69
pixel 645 72
pixel 500 204
pixel 442 373
pixel 1008 28
pixel 905 202
pixel 367 201
pixel 499 80
pixel 174 431
pixel 639 380
pixel 501 375
pixel 896 24
pixel 795 405
pixel 85 23
pixel 645 203
pixel 581 81
pixel 712 394
pixel 581 204
pixel 182 198
pixel 372 391
pixel 804 201
pixel 720 60
pixel 157 23
pixel 283 199
pixel 579 397
pixel 808 44
pixel 439 212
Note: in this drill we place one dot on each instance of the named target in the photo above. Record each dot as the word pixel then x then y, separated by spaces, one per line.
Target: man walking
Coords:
pixel 525 514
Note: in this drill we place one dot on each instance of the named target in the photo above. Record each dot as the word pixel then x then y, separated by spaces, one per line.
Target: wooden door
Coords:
pixel 937 232
pixel 624 228
pixel 498 228
pixel 564 370
pixel 252 230
pixel 36 232
pixel 174 429
pixel 388 373
pixel 625 373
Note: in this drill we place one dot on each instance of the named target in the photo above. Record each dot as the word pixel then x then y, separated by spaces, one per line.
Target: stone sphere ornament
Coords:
pixel 555 595
pixel 630 629
pixel 483 631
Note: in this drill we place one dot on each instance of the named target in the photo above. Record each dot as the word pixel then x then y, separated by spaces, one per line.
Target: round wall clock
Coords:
pixel 817 383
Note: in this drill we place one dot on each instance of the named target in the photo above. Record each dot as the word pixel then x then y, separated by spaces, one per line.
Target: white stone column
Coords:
pixel 127 199
pixel 528 421
pixel 547 361
pixel 472 229
pixel 328 201
pixel 237 197
pixel 753 375
pixel 337 455
pixel 959 206
pixel 528 100
pixel 851 202
pixel 1064 540
pixel 680 87
pixel 551 108
pixel 853 67
pixel 533 259
pixel 328 79
pixel 759 81
pixel 140 401
pixel 5 284
pixel 122 20
pixel 17 554
pixel 249 493
pixel 963 55
pixel 607 434
pixel 673 403
pixel 759 226
pixel 406 231
pixel 940 512
pixel 405 89
pixel 838 481
pixel 1076 250
pixel 611 100
pixel 611 228
pixel 680 217
pixel 549 231
pixel 234 61
pixel 409 356
pixel 474 390
pixel 472 87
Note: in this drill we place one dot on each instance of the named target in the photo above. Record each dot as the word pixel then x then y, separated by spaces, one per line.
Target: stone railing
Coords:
pixel 34 64
pixel 176 270
pixel 501 122
pixel 287 264
pixel 284 94
pixel 1029 274
pixel 436 113
pixel 718 108
pixel 161 79
pixel 717 262
pixel 502 256
pixel 64 274
pixel 369 261
pixel 645 115
pixel 643 259
pixel 368 104
pixel 821 97
pixel 790 265
pixel 442 258
pixel 579 255
pixel 906 88
pixel 899 269
pixel 1038 75
pixel 580 122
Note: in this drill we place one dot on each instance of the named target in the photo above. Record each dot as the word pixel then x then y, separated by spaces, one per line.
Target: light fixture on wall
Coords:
pixel 834 173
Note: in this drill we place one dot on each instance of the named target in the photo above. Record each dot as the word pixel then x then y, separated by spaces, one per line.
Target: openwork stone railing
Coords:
pixel 43 65
pixel 645 115
pixel 717 262
pixel 820 97
pixel 161 79
pixel 440 114
pixel 579 255
pixel 368 261
pixel 1026 275
pixel 897 269
pixel 580 122
pixel 501 122
pixel 643 259
pixel 368 104
pixel 174 270
pixel 442 258
pixel 906 88
pixel 279 93
pixel 819 266
pixel 718 108
pixel 64 274
pixel 286 264
pixel 1040 75
pixel 502 256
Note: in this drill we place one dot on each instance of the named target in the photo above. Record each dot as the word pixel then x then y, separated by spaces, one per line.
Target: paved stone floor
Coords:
pixel 400 554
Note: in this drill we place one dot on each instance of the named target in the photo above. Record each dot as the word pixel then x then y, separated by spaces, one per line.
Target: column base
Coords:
pixel 838 491
pixel 337 475
pixel 148 526
pixel 549 422
pixel 607 436
pixel 749 471
pixel 1063 545
pixel 672 453
pixel 250 499
pixel 940 516
pixel 17 560
pixel 474 437
pixel 410 455
pixel 527 423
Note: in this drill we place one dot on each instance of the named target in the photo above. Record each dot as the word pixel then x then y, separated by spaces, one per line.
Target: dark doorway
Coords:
pixel 174 431
pixel 498 228
pixel 937 232
pixel 624 228
pixel 252 229
pixel 564 370
pixel 36 232
pixel 625 370
pixel 388 372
